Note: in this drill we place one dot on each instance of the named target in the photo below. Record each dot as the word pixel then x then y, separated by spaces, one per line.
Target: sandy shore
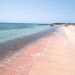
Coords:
pixel 53 54
pixel 12 46
pixel 58 57
pixel 22 59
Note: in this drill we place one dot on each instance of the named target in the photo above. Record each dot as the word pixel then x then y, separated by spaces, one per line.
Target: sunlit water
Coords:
pixel 13 31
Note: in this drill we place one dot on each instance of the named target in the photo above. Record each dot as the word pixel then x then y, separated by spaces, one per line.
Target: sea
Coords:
pixel 11 31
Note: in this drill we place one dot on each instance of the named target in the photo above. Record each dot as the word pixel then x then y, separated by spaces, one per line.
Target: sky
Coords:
pixel 37 11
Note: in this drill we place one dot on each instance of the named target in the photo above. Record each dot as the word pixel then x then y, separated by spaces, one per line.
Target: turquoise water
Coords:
pixel 13 31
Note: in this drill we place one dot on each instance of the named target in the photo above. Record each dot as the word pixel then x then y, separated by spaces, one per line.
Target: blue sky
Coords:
pixel 38 11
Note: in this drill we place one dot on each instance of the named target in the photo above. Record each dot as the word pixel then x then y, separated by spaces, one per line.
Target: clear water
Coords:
pixel 15 30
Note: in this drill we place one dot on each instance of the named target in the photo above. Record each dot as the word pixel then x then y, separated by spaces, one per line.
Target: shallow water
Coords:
pixel 19 31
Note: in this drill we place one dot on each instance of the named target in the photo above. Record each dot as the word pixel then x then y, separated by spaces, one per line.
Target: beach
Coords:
pixel 58 58
pixel 12 46
pixel 50 52
pixel 26 46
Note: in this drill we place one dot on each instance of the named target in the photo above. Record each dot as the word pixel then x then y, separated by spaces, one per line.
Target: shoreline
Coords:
pixel 22 63
pixel 9 48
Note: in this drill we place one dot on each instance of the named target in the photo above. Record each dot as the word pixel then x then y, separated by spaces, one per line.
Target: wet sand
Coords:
pixel 53 54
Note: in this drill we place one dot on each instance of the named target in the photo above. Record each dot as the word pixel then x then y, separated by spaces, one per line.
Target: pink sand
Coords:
pixel 50 55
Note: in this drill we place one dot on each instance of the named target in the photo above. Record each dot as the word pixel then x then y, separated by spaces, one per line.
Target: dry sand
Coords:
pixel 58 57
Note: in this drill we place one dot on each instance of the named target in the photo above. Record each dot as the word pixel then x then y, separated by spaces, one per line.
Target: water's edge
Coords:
pixel 12 46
